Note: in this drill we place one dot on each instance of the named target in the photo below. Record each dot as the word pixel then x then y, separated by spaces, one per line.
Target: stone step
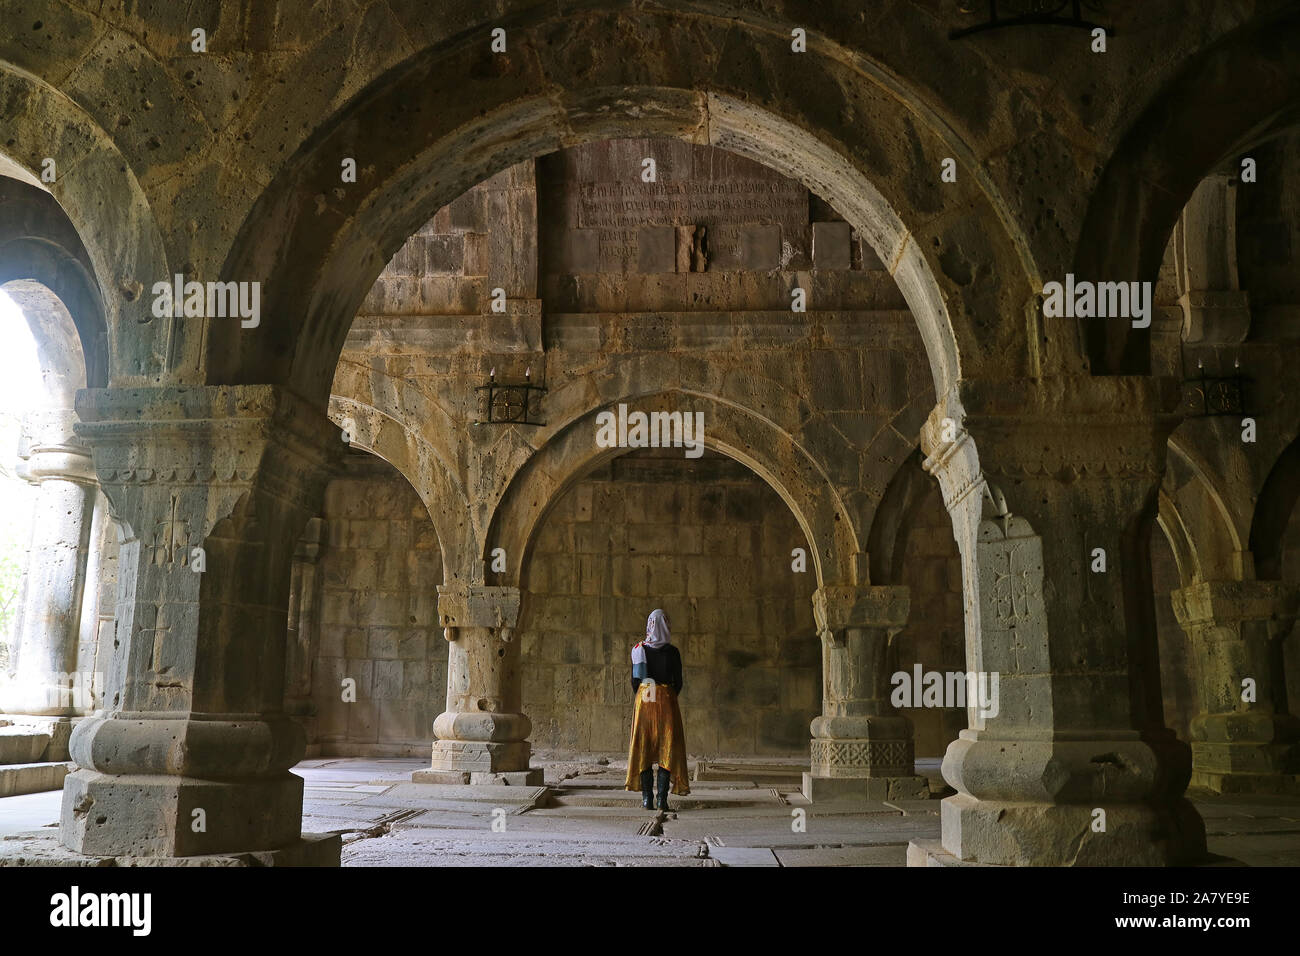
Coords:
pixel 22 745
pixel 17 779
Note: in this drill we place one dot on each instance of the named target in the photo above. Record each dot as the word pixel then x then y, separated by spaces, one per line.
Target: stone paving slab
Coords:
pixel 754 833
pixel 1223 826
pixel 1258 849
pixel 743 856
pixel 915 807
pixel 506 849
pixel 534 829
pixel 696 800
pixel 42 848
pixel 891 855
pixel 430 794
pixel 777 811
pixel 24 778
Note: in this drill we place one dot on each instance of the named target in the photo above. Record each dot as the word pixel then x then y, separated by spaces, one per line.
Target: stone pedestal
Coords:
pixel 212 487
pixel 1068 771
pixel 1240 745
pixel 482 732
pixel 861 747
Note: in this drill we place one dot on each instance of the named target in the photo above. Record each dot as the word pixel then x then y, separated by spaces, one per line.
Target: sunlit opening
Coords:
pixel 20 390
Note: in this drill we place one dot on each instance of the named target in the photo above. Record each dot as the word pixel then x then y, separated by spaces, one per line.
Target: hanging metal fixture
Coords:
pixel 1207 396
pixel 511 404
pixel 1021 13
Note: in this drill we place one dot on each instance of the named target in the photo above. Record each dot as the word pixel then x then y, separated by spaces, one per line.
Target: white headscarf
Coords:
pixel 656 629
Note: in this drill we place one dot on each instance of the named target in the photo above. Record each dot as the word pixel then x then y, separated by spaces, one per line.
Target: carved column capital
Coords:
pixel 838 608
pixel 477 605
pixel 1231 603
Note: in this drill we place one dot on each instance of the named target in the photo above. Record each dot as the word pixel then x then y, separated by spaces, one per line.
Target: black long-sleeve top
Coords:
pixel 663 666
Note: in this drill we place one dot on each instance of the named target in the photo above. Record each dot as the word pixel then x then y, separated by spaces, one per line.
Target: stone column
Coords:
pixel 1215 309
pixel 304 625
pixel 483 735
pixel 1061 774
pixel 1241 745
pixel 211 487
pixel 861 747
pixel 46 689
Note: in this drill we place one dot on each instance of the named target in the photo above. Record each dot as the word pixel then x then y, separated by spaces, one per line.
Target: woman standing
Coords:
pixel 657 735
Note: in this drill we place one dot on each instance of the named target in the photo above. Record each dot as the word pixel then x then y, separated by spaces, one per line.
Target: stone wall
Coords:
pixel 711 544
pixel 378 574
pixel 616 286
pixel 934 636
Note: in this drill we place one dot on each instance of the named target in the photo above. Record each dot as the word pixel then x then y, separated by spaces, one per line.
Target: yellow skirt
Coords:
pixel 657 737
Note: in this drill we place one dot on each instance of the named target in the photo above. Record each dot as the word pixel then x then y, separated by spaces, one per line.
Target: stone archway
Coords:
pixel 730 429
pixel 123 248
pixel 1236 93
pixel 859 747
pixel 47 273
pixel 338 240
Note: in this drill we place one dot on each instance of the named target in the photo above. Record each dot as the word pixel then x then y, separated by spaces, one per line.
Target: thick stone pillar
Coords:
pixel 1242 740
pixel 211 487
pixel 861 747
pixel 46 692
pixel 1061 774
pixel 482 735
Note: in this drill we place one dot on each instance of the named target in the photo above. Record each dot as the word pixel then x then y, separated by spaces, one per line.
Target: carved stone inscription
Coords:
pixel 734 214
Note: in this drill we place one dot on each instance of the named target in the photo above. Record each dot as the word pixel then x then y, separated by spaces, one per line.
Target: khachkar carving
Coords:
pixel 482 735
pixel 1012 585
pixel 861 746
pixel 193 753
pixel 1062 742
pixel 1243 740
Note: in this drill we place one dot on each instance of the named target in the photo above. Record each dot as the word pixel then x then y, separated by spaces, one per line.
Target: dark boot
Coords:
pixel 663 791
pixel 647 789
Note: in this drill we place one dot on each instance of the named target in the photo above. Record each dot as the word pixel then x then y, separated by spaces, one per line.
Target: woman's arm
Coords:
pixel 675 678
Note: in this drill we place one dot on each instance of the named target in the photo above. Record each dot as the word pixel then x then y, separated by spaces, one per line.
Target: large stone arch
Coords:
pixel 1241 90
pixel 379 433
pixel 39 250
pixel 731 430
pixel 716 81
pixel 112 220
pixel 1276 503
pixel 1206 536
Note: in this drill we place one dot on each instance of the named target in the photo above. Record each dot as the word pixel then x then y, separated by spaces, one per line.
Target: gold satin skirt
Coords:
pixel 657 737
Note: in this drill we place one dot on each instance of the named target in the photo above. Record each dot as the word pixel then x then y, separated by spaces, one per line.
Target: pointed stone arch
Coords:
pixel 1240 91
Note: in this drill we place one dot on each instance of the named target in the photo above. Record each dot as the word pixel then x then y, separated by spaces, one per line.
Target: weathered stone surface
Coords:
pixel 21 745
pixel 19 778
pixel 43 849
pixel 657 186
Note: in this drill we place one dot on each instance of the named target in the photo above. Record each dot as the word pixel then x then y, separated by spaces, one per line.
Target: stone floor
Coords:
pixel 741 813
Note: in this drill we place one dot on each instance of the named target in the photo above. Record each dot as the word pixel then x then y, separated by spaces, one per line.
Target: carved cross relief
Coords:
pixel 1011 590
